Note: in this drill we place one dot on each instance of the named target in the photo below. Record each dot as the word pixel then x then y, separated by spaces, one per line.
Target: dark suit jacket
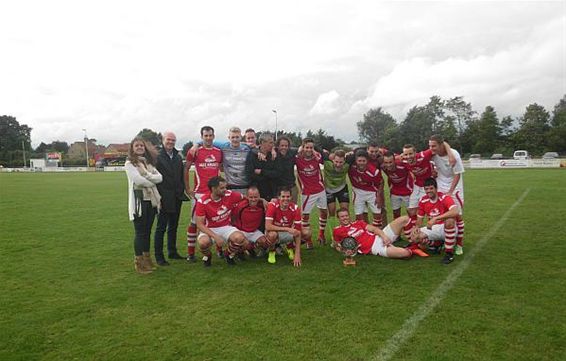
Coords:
pixel 172 187
pixel 266 181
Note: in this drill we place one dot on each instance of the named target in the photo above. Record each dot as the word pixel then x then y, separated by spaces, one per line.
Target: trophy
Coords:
pixel 349 247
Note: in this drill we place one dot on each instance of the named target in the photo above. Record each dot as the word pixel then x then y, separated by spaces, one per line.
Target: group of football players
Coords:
pixel 245 198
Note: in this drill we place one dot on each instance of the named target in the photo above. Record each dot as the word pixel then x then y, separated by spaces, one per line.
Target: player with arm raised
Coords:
pixel 450 180
pixel 420 164
pixel 441 212
pixel 365 179
pixel 400 181
pixel 207 160
pixel 286 164
pixel 312 187
pixel 375 157
pixel 335 174
pixel 262 168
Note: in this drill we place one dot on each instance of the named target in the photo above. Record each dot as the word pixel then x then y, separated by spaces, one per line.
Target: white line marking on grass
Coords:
pixel 409 327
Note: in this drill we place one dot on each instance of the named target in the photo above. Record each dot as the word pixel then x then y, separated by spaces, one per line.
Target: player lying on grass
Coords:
pixel 283 226
pixel 441 213
pixel 371 239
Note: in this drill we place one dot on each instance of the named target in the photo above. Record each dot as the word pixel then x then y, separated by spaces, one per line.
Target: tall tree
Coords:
pixel 534 126
pixel 12 134
pixel 557 133
pixel 188 145
pixel 417 126
pixel 459 110
pixel 60 146
pixel 42 148
pixel 377 126
pixel 322 140
pixel 151 136
pixel 488 132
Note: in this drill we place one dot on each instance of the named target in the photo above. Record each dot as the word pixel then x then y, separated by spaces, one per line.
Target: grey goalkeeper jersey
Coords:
pixel 234 163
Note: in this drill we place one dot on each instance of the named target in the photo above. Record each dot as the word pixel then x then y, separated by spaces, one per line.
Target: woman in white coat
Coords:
pixel 144 200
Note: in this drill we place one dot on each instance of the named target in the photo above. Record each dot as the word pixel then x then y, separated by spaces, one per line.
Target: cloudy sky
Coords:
pixel 115 67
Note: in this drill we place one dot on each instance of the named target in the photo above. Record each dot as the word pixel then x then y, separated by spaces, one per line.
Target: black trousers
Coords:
pixel 167 221
pixel 142 228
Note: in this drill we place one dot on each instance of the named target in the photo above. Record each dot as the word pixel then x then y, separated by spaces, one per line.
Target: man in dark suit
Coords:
pixel 172 191
pixel 262 169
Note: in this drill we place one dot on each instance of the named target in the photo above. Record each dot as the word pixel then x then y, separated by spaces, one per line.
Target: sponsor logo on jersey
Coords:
pixel 434 212
pixel 221 210
pixel 355 232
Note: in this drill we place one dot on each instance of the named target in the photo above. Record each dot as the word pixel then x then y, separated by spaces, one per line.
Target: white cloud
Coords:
pixel 509 79
pixel 326 103
pixel 114 67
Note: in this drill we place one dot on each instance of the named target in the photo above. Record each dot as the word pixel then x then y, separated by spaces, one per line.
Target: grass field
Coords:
pixel 69 290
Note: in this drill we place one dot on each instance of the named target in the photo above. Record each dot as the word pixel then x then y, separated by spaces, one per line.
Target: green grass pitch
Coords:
pixel 69 290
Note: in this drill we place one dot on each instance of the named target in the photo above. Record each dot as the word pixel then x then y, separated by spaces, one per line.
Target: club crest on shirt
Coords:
pixel 221 210
pixel 434 212
pixel 309 170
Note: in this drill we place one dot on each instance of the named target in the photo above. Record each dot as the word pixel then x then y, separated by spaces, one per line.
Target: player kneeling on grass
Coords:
pixel 441 212
pixel 248 217
pixel 213 212
pixel 283 226
pixel 371 239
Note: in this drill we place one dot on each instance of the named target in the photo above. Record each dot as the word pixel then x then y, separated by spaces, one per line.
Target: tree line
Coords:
pixel 536 130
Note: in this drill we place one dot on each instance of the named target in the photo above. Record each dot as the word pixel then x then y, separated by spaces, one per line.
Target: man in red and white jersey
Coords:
pixel 213 216
pixel 249 217
pixel 375 158
pixel 283 226
pixel 207 160
pixel 400 181
pixel 365 179
pixel 450 178
pixel 441 213
pixel 312 187
pixel 371 239
pixel 422 167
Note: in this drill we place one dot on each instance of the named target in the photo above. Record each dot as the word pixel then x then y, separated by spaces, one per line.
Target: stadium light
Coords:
pixel 24 153
pixel 275 111
pixel 86 148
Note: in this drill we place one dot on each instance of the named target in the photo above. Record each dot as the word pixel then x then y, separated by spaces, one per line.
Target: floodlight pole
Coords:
pixel 24 152
pixel 86 149
pixel 275 111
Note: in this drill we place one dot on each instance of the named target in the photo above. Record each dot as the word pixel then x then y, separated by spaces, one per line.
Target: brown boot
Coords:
pixel 149 263
pixel 139 266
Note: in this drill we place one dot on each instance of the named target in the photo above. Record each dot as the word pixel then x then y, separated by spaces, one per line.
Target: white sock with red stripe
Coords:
pixel 191 239
pixel 450 239
pixel 377 220
pixel 460 237
pixel 321 227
